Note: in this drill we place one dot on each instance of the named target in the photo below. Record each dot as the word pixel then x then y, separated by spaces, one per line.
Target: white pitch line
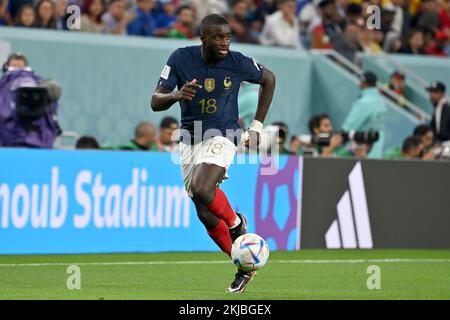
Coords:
pixel 124 263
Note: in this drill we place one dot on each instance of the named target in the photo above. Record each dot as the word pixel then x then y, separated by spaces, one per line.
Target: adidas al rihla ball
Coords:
pixel 250 252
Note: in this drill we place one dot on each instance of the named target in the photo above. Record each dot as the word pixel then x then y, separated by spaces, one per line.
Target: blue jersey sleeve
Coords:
pixel 251 70
pixel 169 78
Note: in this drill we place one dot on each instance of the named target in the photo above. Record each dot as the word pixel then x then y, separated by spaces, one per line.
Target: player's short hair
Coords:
pixel 212 20
pixel 167 122
pixel 410 143
pixel 422 130
pixel 315 121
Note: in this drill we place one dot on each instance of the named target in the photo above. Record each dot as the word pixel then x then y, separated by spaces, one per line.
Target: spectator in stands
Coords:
pixel 341 7
pixel 396 83
pixel 26 16
pixel 12 8
pixel 391 38
pixel 4 14
pixel 184 27
pixel 353 14
pixel 205 7
pixel 427 18
pixel 330 27
pixel 91 20
pixel 45 15
pixel 116 19
pixel 166 141
pixel 415 43
pixel 87 143
pixel 253 16
pixel 282 27
pixel 240 26
pixel 436 47
pixel 347 44
pixel 368 112
pixel 399 18
pixel 444 15
pixel 319 124
pixel 61 14
pixel 144 138
pixel 264 9
pixel 367 41
pixel 309 17
pixel 144 23
pixel 440 121
pixel 166 17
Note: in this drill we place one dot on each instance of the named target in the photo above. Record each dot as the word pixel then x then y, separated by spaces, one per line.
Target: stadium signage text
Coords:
pixel 137 205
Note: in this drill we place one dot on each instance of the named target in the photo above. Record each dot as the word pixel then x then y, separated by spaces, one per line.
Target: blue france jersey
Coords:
pixel 216 103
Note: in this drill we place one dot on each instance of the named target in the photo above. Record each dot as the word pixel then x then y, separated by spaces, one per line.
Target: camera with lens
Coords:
pixel 442 152
pixel 323 139
pixel 28 109
pixel 272 136
pixel 32 102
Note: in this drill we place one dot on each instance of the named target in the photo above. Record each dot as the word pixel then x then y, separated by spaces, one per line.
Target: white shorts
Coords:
pixel 217 150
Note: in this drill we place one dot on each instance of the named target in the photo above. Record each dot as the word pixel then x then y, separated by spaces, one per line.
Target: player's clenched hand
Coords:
pixel 253 139
pixel 187 91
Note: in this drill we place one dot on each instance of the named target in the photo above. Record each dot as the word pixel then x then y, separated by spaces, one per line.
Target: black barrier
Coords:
pixel 375 204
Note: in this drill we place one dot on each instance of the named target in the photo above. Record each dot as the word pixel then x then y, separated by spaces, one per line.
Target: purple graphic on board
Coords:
pixel 267 227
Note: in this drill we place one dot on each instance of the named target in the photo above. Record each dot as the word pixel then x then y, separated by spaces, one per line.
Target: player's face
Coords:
pixel 216 41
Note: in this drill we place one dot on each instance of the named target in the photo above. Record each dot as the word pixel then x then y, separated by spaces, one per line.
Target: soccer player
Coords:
pixel 208 78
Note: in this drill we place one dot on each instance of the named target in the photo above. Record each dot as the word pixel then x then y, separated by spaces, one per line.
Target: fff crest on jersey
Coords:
pixel 227 83
pixel 210 84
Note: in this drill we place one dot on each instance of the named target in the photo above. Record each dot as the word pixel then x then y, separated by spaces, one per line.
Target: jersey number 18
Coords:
pixel 208 106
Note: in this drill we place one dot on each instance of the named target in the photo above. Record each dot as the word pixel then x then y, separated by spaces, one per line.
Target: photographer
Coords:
pixel 273 139
pixel 28 106
pixel 368 112
pixel 412 149
pixel 319 126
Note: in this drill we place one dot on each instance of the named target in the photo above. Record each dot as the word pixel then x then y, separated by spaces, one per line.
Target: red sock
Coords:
pixel 221 236
pixel 221 208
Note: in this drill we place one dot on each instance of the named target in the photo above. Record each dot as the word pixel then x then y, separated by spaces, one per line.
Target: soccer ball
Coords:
pixel 250 252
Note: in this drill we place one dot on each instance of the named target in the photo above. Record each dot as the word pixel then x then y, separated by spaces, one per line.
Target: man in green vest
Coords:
pixel 144 138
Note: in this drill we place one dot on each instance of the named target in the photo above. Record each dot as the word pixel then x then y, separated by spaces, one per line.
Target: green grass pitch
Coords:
pixel 305 274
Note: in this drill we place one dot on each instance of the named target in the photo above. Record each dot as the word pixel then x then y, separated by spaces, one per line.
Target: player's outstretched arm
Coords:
pixel 163 98
pixel 266 91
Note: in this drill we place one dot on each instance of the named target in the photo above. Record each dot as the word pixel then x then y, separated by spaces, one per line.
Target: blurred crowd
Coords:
pixel 348 26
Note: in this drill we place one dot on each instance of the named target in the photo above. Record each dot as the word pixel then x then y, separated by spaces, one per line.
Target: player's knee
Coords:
pixel 202 192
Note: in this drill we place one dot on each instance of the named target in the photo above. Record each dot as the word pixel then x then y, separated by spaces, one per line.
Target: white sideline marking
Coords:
pixel 337 261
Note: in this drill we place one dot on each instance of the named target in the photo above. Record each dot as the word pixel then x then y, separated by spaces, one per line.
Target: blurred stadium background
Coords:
pixel 66 201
